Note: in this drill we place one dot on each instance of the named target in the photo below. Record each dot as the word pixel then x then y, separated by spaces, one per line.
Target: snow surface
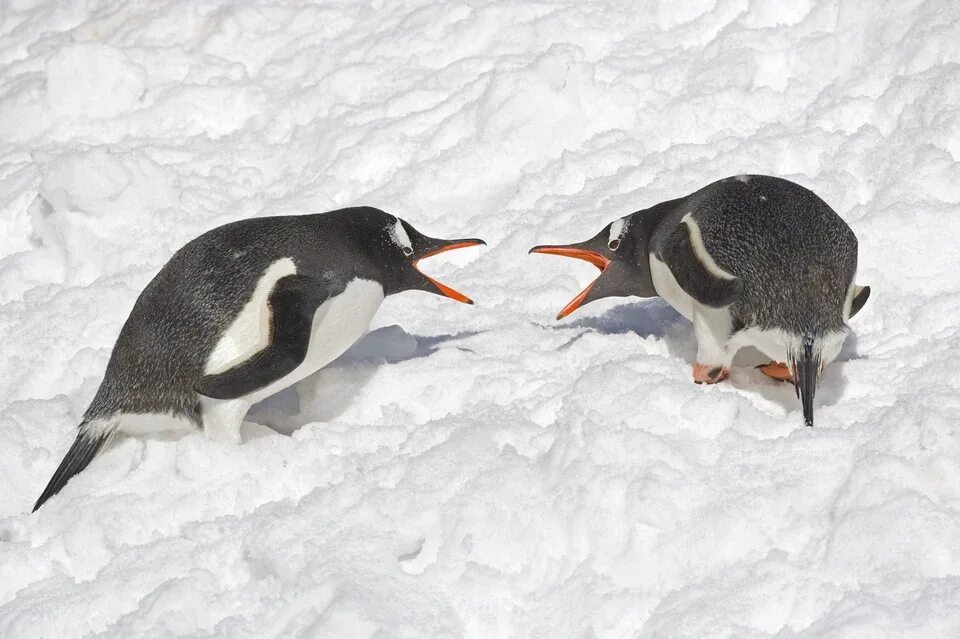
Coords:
pixel 483 471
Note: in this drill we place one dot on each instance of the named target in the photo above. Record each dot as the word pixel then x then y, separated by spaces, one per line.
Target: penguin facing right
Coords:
pixel 243 311
pixel 750 260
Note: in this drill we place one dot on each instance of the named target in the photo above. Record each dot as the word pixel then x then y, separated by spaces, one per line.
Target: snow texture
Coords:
pixel 483 471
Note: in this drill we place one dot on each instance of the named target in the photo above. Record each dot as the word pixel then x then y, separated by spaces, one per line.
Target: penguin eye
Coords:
pixel 614 245
pixel 408 251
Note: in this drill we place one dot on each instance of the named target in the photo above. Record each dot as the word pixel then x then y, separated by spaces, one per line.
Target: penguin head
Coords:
pixel 620 252
pixel 404 248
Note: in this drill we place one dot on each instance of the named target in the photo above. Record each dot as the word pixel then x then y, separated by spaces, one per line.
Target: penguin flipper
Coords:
pixel 860 296
pixel 293 302
pixel 694 268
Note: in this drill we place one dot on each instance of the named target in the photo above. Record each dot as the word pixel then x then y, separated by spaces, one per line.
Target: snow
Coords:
pixel 483 471
pixel 92 80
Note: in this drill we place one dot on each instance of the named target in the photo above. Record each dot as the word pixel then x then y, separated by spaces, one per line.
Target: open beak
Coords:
pixel 443 247
pixel 579 252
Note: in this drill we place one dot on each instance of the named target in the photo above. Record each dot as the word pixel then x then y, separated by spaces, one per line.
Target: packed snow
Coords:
pixel 483 471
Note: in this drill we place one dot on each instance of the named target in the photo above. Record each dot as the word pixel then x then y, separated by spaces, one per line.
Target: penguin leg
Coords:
pixel 293 302
pixel 222 418
pixel 712 328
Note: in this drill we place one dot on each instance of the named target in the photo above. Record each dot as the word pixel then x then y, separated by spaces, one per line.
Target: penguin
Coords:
pixel 750 260
pixel 243 311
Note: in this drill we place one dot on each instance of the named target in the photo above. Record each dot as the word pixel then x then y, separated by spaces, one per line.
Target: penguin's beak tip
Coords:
pixel 577 252
pixel 440 286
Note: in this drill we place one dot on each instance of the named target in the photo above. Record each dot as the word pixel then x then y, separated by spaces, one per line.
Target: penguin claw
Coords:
pixel 707 374
pixel 777 371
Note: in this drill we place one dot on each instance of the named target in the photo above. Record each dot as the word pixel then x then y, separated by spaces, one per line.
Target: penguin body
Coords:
pixel 750 260
pixel 244 311
pixel 337 323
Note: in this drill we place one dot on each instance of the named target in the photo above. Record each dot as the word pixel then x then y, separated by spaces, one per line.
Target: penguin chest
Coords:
pixel 669 289
pixel 711 325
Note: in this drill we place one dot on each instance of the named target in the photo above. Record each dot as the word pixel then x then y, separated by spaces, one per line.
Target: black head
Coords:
pixel 400 247
pixel 620 251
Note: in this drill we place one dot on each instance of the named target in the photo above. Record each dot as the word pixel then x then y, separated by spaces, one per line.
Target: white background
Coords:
pixel 483 471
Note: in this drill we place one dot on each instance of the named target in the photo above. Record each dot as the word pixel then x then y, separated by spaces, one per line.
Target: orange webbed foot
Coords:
pixel 777 371
pixel 707 374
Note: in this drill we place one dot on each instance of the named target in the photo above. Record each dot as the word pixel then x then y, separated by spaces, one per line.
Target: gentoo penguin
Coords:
pixel 243 311
pixel 750 260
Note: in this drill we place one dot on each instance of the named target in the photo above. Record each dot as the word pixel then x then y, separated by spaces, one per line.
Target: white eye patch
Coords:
pixel 617 229
pixel 399 236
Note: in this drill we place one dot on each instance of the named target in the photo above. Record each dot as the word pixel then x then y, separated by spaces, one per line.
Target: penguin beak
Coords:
pixel 442 246
pixel 578 251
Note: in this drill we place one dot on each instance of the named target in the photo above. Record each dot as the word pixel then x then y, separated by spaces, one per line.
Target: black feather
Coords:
pixel 806 374
pixel 85 448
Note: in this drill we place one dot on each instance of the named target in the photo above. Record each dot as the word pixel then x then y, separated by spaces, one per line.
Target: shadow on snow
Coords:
pixel 655 318
pixel 335 387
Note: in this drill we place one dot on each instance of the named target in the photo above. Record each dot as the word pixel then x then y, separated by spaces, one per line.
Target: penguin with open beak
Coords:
pixel 246 310
pixel 751 260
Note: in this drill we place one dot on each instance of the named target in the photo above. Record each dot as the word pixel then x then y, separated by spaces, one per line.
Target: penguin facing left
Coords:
pixel 243 311
pixel 750 260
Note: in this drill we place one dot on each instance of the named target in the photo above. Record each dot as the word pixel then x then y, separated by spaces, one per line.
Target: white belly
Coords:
pixel 772 342
pixel 142 424
pixel 711 326
pixel 668 288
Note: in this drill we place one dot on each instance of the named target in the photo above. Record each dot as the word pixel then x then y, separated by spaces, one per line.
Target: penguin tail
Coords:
pixel 805 365
pixel 88 443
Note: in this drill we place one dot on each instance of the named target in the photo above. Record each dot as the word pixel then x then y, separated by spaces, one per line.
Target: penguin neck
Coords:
pixel 647 227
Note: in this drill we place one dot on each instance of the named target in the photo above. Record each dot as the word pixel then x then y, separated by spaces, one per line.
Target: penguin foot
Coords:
pixel 707 374
pixel 777 371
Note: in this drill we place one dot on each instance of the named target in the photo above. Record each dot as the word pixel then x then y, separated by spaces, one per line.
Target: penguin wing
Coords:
pixel 293 302
pixel 695 270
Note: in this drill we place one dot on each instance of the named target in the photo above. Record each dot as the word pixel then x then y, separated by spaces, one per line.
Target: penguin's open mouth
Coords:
pixel 448 246
pixel 576 252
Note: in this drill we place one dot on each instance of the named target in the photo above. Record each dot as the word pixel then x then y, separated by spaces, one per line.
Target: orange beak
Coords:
pixel 593 257
pixel 443 288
